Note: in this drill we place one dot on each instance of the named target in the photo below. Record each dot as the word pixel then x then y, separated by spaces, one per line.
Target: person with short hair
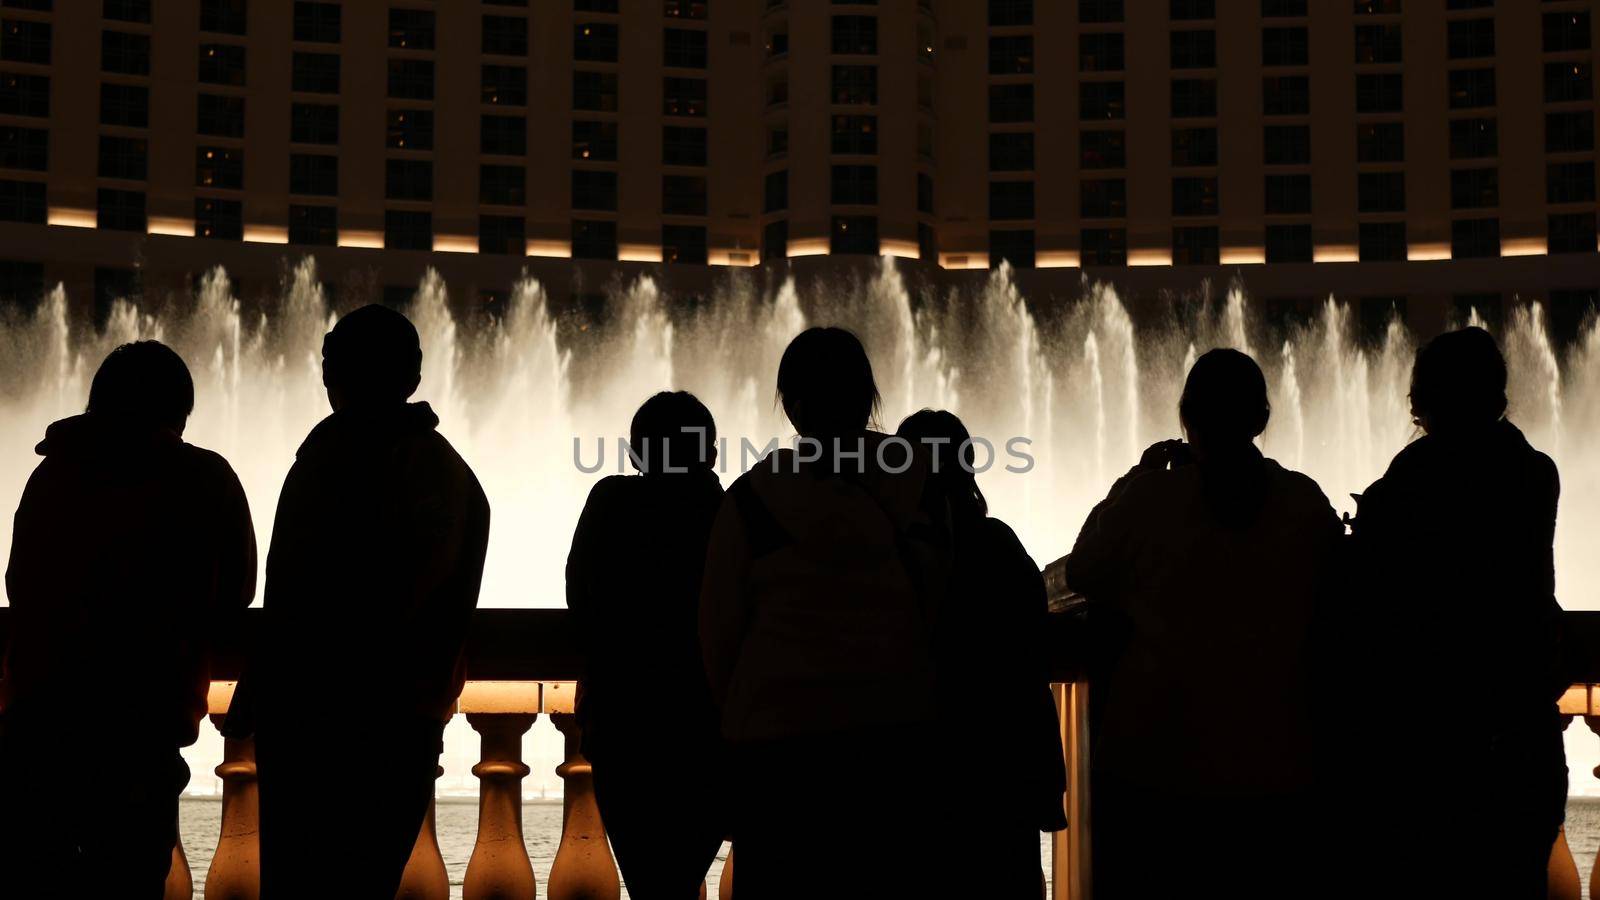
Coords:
pixel 132 557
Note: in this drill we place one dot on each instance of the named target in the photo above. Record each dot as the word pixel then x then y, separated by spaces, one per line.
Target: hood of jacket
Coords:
pixel 361 430
pixel 100 439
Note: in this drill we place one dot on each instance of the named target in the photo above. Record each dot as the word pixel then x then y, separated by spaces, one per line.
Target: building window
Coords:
pixel 1194 196
pixel 502 185
pixel 855 85
pixel 1471 88
pixel 1194 98
pixel 1287 195
pixel 775 241
pixel 1564 31
pixel 407 229
pixel 25 41
pixel 1286 145
pixel 1381 192
pixel 1014 246
pixel 23 201
pixel 318 73
pixel 1380 93
pixel 927 243
pixel 596 6
pixel 1104 247
pixel 684 96
pixel 924 193
pixel 22 283
pixel 1381 241
pixel 1377 7
pixel 683 195
pixel 854 185
pixel 854 235
pixel 1194 49
pixel 123 157
pixel 1379 43
pixel 1096 100
pixel 223 64
pixel 1569 132
pixel 594 240
pixel 683 244
pixel 411 79
pixel 124 54
pixel 125 105
pixel 1285 47
pixel 317 22
pixel 1012 151
pixel 1567 81
pixel 1098 51
pixel 1474 238
pixel 220 219
pixel 219 167
pixel 1569 182
pixel 1283 9
pixel 24 95
pixel 1473 138
pixel 219 116
pixel 223 16
pixel 504 235
pixel 313 123
pixel 126 11
pixel 114 209
pixel 1013 54
pixel 409 129
pixel 1103 198
pixel 503 135
pixel 1475 188
pixel 1286 95
pixel 1379 142
pixel 316 226
pixel 1288 244
pixel 684 9
pixel 682 146
pixel 778 88
pixel 314 174
pixel 408 179
pixel 775 191
pixel 855 135
pixel 594 42
pixel 855 35
pixel 591 91
pixel 594 190
pixel 684 48
pixel 508 86
pixel 1010 200
pixel 1196 246
pixel 26 148
pixel 411 29
pixel 594 141
pixel 1187 10
pixel 1194 147
pixel 1014 12
pixel 1572 233
pixel 1470 38
pixel 505 35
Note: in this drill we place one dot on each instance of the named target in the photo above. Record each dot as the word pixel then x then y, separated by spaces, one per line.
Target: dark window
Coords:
pixel 1096 100
pixel 775 241
pixel 1288 243
pixel 1194 147
pixel 114 209
pixel 1194 49
pixel 594 42
pixel 1474 87
pixel 220 116
pixel 1570 182
pixel 1379 43
pixel 775 191
pixel 1288 194
pixel 1286 95
pixel 1104 247
pixel 1381 241
pixel 684 96
pixel 683 195
pixel 504 235
pixel 854 234
pixel 855 85
pixel 854 185
pixel 24 95
pixel 1471 4
pixel 1572 233
pixel 124 53
pixel 1014 246
pixel 1381 142
pixel 406 229
pixel 1010 199
pixel 505 35
pixel 411 79
pixel 594 240
pixel 684 48
pixel 927 243
pixel 22 283
pixel 223 16
pixel 683 244
pixel 1196 246
pixel 1381 192
pixel 1565 81
pixel 855 35
pixel 111 285
pixel 123 157
pixel 318 73
pixel 219 167
pixel 1103 198
pixel 1377 7
pixel 1285 47
pixel 126 10
pixel 778 88
pixel 1098 51
pixel 1380 93
pixel 35 5
pixel 409 129
pixel 503 135
pixel 502 185
pixel 508 86
pixel 1565 31
pixel 1474 238
pixel 684 9
pixel 591 91
pixel 1194 98
pixel 1011 102
pixel 314 123
pixel 598 6
pixel 924 193
pixel 1473 138
pixel 23 201
pixel 127 105
pixel 222 64
pixel 1012 151
pixel 855 134
pixel 594 190
pixel 1184 10
pixel 682 146
pixel 314 174
pixel 25 41
pixel 1020 12
pixel 1286 145
pixel 594 141
pixel 1282 9
pixel 408 179
pixel 1194 196
pixel 317 22
pixel 1470 38
pixel 1569 132
pixel 1012 54
pixel 411 29
pixel 219 219
pixel 27 148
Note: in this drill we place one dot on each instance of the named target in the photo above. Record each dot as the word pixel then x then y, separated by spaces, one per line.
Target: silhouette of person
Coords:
pixel 1204 567
pixel 377 554
pixel 990 660
pixel 133 553
pixel 815 620
pixel 633 584
pixel 1454 567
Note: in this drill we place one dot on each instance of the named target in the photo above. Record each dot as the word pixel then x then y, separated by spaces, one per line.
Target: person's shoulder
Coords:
pixel 1302 490
pixel 208 465
pixel 447 464
pixel 610 488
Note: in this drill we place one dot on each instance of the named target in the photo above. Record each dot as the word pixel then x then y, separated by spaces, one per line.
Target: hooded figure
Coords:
pixel 377 554
pixel 133 552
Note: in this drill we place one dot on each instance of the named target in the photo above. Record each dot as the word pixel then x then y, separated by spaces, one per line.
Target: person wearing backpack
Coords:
pixel 815 624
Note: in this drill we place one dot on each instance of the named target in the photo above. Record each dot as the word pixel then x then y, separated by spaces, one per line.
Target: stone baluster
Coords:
pixel 584 868
pixel 235 872
pixel 501 713
pixel 425 877
pixel 180 881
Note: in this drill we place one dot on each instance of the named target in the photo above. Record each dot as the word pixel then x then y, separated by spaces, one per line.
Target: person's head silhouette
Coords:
pixel 825 383
pixel 673 432
pixel 372 357
pixel 143 384
pixel 1224 405
pixel 953 460
pixel 1458 383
